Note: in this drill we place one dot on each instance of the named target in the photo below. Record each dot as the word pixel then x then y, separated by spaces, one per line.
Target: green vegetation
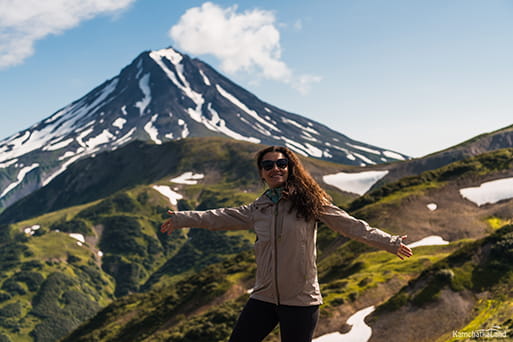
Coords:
pixel 360 269
pixel 135 256
pixel 191 285
pixel 139 316
pixel 490 314
pixel 214 325
pixel 73 226
pixel 477 266
pixel 62 306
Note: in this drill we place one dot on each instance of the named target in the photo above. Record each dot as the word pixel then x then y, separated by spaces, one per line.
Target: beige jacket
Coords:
pixel 285 248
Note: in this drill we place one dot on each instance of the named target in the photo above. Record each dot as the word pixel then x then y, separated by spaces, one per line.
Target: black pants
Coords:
pixel 258 319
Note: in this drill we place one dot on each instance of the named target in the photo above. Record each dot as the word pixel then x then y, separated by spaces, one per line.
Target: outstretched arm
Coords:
pixel 347 225
pixel 215 219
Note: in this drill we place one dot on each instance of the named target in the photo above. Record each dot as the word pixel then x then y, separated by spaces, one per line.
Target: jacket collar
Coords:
pixel 263 200
pixel 274 194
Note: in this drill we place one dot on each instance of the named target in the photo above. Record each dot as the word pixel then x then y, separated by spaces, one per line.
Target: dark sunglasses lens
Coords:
pixel 282 163
pixel 267 164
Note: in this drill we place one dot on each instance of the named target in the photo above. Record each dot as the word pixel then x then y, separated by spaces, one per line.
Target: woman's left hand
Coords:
pixel 404 251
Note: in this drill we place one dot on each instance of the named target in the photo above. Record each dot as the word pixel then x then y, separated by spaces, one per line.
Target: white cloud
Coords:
pixel 24 22
pixel 247 41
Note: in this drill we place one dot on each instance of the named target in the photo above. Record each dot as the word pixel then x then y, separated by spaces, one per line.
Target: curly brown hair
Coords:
pixel 301 189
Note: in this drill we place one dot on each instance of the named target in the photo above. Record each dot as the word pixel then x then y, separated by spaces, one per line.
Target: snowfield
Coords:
pixel 170 194
pixel 432 240
pixel 21 175
pixel 358 183
pixel 360 331
pixel 188 178
pixel 489 192
pixel 432 206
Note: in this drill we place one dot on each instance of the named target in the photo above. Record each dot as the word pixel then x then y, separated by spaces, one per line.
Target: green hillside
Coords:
pixel 471 289
pixel 49 284
pixel 129 282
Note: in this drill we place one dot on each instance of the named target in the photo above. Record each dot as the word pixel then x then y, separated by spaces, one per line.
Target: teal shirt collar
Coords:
pixel 274 194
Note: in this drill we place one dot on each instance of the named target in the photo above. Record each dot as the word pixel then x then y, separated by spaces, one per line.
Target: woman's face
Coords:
pixel 276 176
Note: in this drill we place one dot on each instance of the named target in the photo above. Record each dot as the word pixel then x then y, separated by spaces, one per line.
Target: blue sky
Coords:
pixel 408 75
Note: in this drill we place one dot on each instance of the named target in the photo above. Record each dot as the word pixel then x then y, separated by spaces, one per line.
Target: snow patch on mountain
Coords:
pixel 189 178
pixel 152 130
pixel 67 154
pixel 248 111
pixel 61 124
pixel 305 150
pixel 205 78
pixel 32 229
pixel 64 165
pixel 366 149
pixel 57 115
pixel 489 192
pixel 101 99
pixel 119 123
pixel 9 163
pixel 182 84
pixel 94 142
pixel 432 206
pixel 366 161
pixel 432 240
pixel 393 155
pixel 360 331
pixel 219 125
pixel 82 135
pixel 125 138
pixel 185 130
pixel 358 182
pixel 144 84
pixel 167 192
pixel 57 145
pixel 298 125
pixel 77 236
pixel 349 154
pixel 21 175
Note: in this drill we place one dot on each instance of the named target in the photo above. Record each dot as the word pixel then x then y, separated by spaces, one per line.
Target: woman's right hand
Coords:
pixel 167 227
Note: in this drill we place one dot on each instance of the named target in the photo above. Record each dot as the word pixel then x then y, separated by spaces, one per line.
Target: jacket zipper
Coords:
pixel 276 253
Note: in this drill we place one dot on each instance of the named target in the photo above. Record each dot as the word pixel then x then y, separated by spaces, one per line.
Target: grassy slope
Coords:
pixel 125 227
pixel 181 312
pixel 162 267
pixel 468 290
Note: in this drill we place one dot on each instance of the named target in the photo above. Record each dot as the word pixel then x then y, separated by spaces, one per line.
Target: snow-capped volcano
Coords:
pixel 163 95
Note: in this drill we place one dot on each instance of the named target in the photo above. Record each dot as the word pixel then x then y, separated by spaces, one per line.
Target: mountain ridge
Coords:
pixel 163 95
pixel 482 143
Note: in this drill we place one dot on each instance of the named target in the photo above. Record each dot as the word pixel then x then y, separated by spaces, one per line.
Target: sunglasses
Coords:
pixel 269 164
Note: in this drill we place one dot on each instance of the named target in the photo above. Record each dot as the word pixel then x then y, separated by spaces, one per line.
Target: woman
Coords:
pixel 284 219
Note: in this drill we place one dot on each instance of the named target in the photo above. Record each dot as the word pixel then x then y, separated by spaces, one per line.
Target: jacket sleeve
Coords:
pixel 345 224
pixel 237 218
